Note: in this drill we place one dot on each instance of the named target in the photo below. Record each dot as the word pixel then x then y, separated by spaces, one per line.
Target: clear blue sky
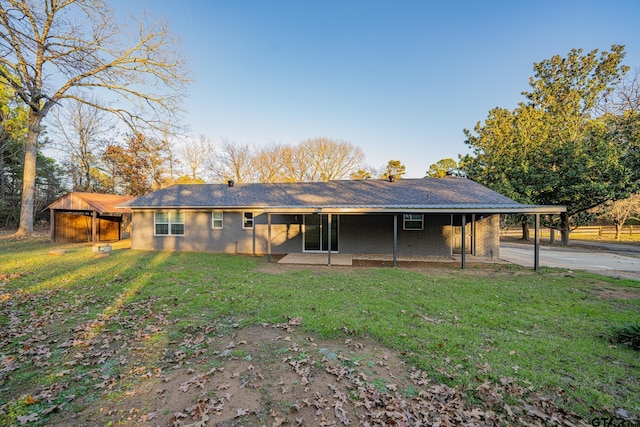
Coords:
pixel 400 79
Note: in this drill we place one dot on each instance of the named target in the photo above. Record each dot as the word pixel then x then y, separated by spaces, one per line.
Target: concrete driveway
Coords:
pixel 608 261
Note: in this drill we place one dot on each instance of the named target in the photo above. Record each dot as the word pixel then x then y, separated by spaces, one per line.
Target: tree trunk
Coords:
pixel 29 176
pixel 524 221
pixel 618 230
pixel 2 178
pixel 552 231
pixel 564 228
pixel 87 177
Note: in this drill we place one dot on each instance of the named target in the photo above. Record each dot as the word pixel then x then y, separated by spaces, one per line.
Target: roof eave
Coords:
pixel 523 209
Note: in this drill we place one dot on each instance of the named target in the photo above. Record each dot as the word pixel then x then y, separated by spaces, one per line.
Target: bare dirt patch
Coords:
pixel 617 293
pixel 277 375
pixel 616 274
pixel 40 234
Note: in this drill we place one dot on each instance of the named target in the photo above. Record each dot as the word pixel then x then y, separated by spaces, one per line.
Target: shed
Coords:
pixel 89 217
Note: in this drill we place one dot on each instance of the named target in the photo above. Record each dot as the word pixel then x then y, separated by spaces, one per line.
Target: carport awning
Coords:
pixel 103 204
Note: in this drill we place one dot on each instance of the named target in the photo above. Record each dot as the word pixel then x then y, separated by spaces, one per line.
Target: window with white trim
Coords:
pixel 217 219
pixel 168 223
pixel 413 221
pixel 247 219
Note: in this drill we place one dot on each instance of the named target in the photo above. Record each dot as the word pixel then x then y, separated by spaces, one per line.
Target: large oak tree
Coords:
pixel 53 50
pixel 552 149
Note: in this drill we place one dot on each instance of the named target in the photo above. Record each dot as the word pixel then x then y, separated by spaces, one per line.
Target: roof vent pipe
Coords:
pixel 230 182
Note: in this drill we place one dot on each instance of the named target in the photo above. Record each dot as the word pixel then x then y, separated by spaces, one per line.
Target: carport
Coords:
pixel 461 214
pixel 88 217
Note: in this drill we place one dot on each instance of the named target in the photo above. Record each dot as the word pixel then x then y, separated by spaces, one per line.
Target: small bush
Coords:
pixel 628 334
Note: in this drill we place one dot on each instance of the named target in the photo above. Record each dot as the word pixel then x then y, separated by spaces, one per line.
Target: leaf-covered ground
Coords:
pixel 272 375
pixel 86 342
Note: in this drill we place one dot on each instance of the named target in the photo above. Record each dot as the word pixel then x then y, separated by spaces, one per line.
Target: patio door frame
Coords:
pixel 322 233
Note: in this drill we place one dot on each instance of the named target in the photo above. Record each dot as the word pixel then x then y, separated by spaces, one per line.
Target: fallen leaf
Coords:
pixel 278 421
pixel 23 419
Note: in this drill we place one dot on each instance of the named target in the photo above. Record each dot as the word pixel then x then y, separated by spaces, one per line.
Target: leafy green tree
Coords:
pixel 360 174
pixel 440 168
pixel 551 150
pixel 13 130
pixel 49 185
pixel 394 168
pixel 188 179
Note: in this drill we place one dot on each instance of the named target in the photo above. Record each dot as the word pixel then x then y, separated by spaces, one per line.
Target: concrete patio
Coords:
pixel 363 259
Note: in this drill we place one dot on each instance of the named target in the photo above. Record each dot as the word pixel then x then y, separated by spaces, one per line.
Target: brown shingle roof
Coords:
pixel 102 203
pixel 375 195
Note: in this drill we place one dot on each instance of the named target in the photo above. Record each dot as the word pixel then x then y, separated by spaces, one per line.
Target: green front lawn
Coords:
pixel 548 330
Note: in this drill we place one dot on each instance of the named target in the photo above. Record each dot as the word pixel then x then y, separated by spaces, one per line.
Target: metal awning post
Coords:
pixel 328 239
pixel 464 238
pixel 536 243
pixel 268 237
pixel 395 240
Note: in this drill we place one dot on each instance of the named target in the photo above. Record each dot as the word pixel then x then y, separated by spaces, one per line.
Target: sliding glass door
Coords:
pixel 316 233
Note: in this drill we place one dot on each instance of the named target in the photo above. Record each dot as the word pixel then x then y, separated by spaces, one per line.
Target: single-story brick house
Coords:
pixel 405 217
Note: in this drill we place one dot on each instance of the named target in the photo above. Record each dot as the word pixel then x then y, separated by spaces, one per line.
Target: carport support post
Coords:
pixel 52 224
pixel 328 240
pixel 94 227
pixel 395 240
pixel 268 237
pixel 536 243
pixel 253 239
pixel 463 243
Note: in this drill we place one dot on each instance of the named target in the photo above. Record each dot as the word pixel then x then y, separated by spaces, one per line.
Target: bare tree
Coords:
pixel 231 161
pixel 59 48
pixel 167 142
pixel 327 159
pixel 318 159
pixel 269 164
pixel 195 154
pixel 624 98
pixel 294 164
pixel 620 211
pixel 80 130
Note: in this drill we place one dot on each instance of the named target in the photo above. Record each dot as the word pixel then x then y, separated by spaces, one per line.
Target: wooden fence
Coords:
pixel 599 230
